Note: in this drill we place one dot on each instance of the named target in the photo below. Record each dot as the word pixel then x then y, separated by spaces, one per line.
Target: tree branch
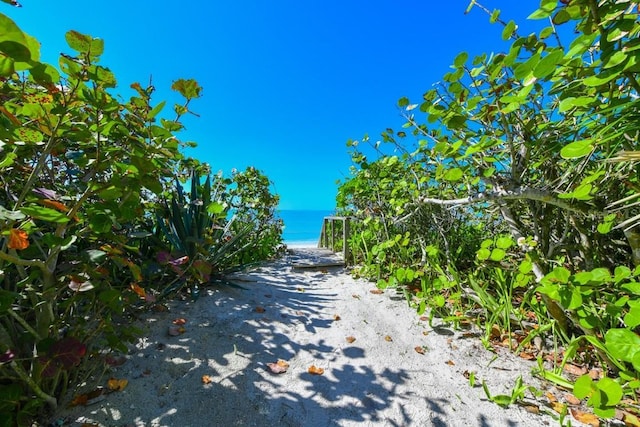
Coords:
pixel 523 193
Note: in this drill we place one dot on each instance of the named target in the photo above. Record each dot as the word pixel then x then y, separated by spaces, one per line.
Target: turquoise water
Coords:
pixel 302 227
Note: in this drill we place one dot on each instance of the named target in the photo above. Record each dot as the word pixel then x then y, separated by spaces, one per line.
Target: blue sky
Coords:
pixel 286 83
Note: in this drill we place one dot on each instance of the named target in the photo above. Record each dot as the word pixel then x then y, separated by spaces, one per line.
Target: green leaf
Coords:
pixel 483 254
pixel 403 102
pixel 622 343
pixel 215 208
pixel 561 17
pixel 16 47
pixel 100 222
pixel 6 300
pixel 547 65
pixel 577 149
pixel 571 102
pixel 11 215
pixel 460 60
pixel 504 242
pixel 632 318
pixel 45 214
pixel 78 41
pixel 583 387
pixel 495 15
pixel 508 30
pixel 497 254
pixel 546 9
pixel 188 88
pixel 155 110
pixel 611 389
pixel 44 74
pixel 616 59
pixel 454 174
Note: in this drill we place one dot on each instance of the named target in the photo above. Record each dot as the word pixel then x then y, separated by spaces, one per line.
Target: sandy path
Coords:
pixel 378 380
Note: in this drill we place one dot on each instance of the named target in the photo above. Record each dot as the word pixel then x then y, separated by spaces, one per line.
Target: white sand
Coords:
pixel 373 381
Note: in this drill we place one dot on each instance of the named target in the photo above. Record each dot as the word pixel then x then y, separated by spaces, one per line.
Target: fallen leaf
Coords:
pixel 280 367
pixel 419 349
pixel 179 321
pixel 450 362
pixel 350 339
pixel 300 289
pixel 586 418
pixel 532 409
pixel 551 397
pixel 356 296
pixel 527 355
pixel 207 379
pixel 117 384
pixel 115 360
pixel 138 290
pixel 376 291
pixel 558 407
pixel 595 374
pixel 571 399
pixel 336 317
pixel 313 370
pixel 174 331
pixel 424 318
pixel 425 333
pixel 388 338
pixel 574 370
pixel 89 425
pixel 630 420
pixel 259 309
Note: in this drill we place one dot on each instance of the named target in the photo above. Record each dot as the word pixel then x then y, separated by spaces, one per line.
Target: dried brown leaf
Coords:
pixel 571 399
pixel 180 321
pixel 574 369
pixel 350 339
pixel 388 338
pixel 314 370
pixel 419 349
pixel 586 417
pixel 207 379
pixel 174 331
pixel 259 309
pixel 115 384
pixel 336 317
pixel 376 291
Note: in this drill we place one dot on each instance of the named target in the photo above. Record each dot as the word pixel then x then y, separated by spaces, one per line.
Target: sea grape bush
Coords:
pixel 82 176
pixel 510 173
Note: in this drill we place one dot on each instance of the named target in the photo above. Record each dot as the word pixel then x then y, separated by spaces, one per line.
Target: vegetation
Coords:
pixel 508 197
pixel 94 220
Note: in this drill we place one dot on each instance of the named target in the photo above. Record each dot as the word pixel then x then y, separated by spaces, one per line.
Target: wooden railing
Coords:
pixel 330 231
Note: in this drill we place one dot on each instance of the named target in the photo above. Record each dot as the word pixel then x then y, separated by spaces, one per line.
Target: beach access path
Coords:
pixel 376 362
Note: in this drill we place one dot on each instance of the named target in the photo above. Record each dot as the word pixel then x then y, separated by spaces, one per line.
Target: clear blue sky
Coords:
pixel 286 83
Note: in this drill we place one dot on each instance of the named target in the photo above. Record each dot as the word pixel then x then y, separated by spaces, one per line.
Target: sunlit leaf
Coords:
pixel 18 239
pixel 314 370
pixel 115 384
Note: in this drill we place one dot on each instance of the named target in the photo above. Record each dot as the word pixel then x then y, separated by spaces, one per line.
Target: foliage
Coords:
pixel 502 175
pixel 217 227
pixel 82 176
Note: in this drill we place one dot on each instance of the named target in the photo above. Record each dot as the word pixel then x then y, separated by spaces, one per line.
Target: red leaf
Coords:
pixel 18 239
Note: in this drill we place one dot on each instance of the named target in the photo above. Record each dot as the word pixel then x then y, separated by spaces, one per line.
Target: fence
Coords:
pixel 330 231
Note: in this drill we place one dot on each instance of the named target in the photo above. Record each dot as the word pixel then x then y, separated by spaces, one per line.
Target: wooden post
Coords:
pixel 346 228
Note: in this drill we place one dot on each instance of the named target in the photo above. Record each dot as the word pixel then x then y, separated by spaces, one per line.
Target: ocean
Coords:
pixel 302 227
